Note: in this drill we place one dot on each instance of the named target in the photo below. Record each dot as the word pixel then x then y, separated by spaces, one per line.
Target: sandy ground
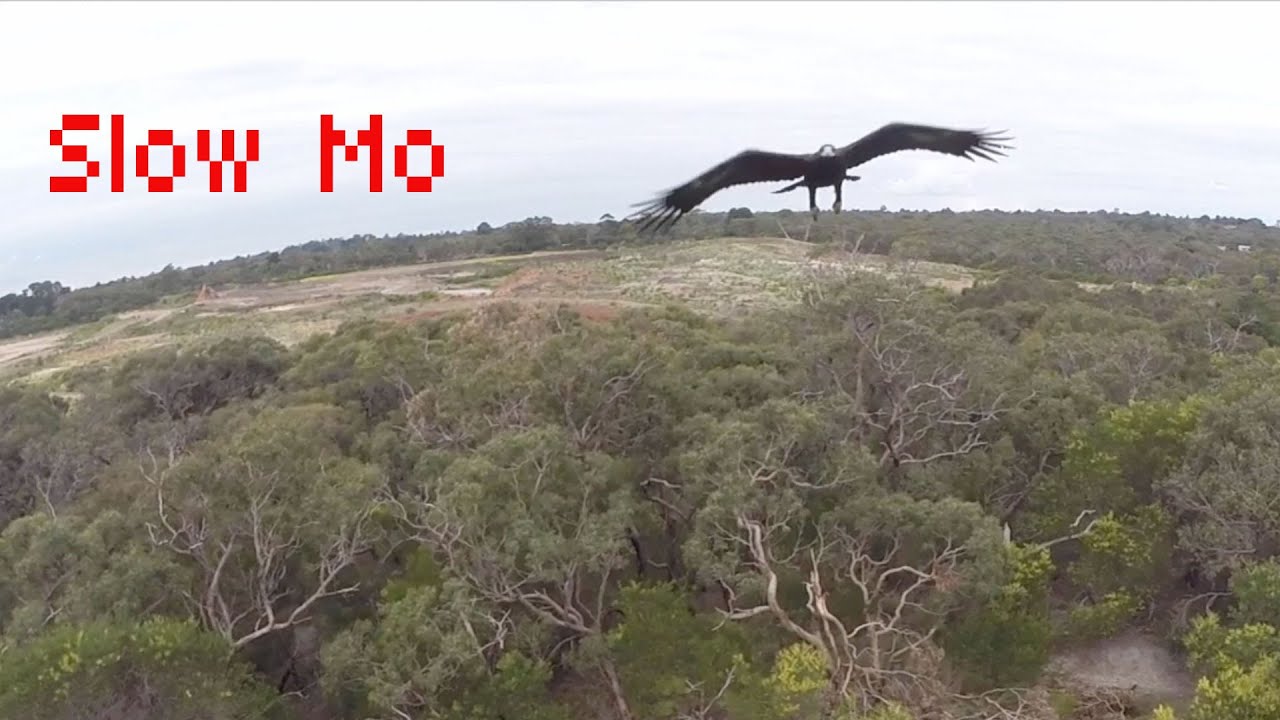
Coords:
pixel 403 280
pixel 1132 660
pixel 12 350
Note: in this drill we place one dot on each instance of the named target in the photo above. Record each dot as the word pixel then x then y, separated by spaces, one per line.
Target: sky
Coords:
pixel 576 109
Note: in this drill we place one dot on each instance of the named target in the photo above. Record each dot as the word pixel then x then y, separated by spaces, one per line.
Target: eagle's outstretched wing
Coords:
pixel 748 166
pixel 897 136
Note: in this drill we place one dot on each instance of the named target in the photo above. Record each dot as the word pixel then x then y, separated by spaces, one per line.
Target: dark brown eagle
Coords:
pixel 825 168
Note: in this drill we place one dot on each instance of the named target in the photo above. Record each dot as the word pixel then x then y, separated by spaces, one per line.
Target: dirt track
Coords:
pixel 402 280
pixel 14 350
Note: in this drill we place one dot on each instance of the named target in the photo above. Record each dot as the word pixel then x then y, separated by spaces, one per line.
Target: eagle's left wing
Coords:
pixel 898 136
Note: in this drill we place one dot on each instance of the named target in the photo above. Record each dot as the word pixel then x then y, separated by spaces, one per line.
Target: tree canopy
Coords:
pixel 884 500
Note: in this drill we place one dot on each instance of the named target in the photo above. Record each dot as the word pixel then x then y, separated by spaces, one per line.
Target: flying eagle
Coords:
pixel 825 168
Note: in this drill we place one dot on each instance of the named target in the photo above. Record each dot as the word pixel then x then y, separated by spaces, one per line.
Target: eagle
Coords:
pixel 828 167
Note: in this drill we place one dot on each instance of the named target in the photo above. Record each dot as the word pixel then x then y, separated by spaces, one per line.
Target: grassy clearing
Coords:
pixel 735 273
pixel 488 276
pixel 320 278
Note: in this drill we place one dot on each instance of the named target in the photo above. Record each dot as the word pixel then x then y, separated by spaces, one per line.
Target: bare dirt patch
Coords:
pixel 467 292
pixel 952 278
pixel 1133 661
pixel 284 308
pixel 597 312
pixel 14 350
pixel 402 280
pixel 151 315
pixel 560 278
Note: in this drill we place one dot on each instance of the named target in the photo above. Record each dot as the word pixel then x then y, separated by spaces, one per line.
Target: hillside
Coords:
pixel 1093 249
pixel 721 276
pixel 1098 247
pixel 1009 466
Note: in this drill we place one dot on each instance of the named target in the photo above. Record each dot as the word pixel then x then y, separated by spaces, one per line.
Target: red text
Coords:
pixel 371 140
pixel 159 180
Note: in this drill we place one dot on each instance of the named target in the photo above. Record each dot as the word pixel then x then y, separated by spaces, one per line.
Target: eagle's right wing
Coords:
pixel 748 166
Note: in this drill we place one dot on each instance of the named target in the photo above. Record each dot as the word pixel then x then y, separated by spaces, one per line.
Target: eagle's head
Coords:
pixel 827 151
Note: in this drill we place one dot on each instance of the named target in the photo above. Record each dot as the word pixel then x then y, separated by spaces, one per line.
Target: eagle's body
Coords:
pixel 825 168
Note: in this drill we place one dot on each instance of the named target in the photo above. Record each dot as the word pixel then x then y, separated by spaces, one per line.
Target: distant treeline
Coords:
pixel 1095 246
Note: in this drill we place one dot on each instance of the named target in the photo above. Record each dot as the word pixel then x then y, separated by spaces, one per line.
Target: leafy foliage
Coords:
pixel 881 501
pixel 157 668
pixel 1242 670
pixel 1005 641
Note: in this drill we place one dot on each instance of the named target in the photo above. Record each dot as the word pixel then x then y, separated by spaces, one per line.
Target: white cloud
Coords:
pixel 573 109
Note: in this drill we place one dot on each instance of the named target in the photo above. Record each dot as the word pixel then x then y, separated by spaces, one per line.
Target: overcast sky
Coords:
pixel 573 109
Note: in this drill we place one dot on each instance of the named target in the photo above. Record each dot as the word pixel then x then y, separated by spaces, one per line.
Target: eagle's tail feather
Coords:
pixel 789 188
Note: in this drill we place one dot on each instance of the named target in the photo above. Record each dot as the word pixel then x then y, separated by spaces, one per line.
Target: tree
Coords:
pixel 1005 640
pixel 1241 667
pixel 531 525
pixel 158 668
pixel 269 514
pixel 434 652
pixel 1256 587
pixel 1114 464
pixel 76 569
pixel 27 418
pixel 887 354
pixel 674 663
pixel 1232 466
pixel 876 569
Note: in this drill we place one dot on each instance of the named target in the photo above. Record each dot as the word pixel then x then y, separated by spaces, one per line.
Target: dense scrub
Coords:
pixel 886 501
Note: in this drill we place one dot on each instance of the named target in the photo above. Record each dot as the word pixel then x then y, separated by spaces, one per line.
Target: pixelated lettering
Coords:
pixel 418 183
pixel 331 139
pixel 161 138
pixel 240 169
pixel 74 153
